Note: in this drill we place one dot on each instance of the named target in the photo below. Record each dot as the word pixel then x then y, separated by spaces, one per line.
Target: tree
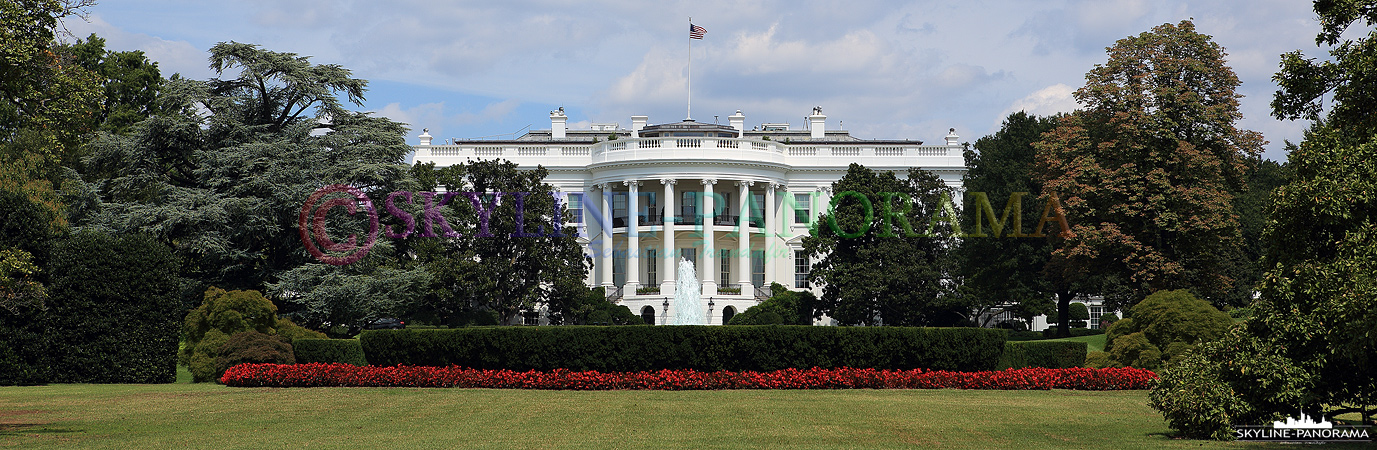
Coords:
pixel 113 310
pixel 129 79
pixel 783 307
pixel 882 255
pixel 1004 272
pixel 224 314
pixel 510 259
pixel 1147 172
pixel 222 172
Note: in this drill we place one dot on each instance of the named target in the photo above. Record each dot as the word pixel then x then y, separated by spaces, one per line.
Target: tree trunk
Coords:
pixel 1064 314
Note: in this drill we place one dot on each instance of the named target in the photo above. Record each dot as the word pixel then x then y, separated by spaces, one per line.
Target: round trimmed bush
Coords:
pixel 253 347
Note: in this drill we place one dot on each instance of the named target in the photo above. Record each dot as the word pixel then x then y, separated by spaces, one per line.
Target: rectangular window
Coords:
pixel 757 209
pixel 690 254
pixel 530 318
pixel 801 267
pixel 619 267
pixel 1095 313
pixel 758 268
pixel 802 208
pixel 726 266
pixel 651 261
pixel 689 208
pixel 575 207
pixel 645 202
pixel 619 209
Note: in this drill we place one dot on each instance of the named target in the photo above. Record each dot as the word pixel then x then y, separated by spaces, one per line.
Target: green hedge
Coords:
pixel 707 348
pixel 346 351
pixel 1050 354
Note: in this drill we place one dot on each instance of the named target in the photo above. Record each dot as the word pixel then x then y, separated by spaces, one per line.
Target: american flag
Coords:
pixel 696 32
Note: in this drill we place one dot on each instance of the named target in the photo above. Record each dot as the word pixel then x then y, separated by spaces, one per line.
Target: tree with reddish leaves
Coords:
pixel 1147 172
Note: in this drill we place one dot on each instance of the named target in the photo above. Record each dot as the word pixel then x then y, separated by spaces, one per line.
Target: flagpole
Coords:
pixel 690 73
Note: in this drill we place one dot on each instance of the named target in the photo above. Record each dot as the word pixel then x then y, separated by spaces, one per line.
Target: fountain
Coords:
pixel 687 297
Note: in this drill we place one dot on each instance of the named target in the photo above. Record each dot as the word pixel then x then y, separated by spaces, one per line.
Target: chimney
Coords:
pixel 738 121
pixel 557 119
pixel 637 123
pixel 425 136
pixel 952 139
pixel 817 123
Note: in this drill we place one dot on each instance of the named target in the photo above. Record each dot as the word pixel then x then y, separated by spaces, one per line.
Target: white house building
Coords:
pixel 735 201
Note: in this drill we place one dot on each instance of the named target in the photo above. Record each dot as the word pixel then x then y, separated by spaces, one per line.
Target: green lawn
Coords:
pixel 1093 343
pixel 213 416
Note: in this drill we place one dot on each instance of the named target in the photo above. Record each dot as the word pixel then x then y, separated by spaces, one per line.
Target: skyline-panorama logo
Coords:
pixel 1303 429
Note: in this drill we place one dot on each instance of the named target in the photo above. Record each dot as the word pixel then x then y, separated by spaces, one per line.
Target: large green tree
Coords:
pixel 508 257
pixel 1309 346
pixel 1006 271
pixel 222 173
pixel 882 251
pixel 1147 172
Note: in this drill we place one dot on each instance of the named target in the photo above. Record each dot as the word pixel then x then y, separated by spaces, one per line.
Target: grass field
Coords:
pixel 213 416
pixel 1093 343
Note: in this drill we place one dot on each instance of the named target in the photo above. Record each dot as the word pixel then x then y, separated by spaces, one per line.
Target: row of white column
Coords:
pixel 669 254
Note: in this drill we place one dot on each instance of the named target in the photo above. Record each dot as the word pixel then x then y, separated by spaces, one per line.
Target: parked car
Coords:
pixel 386 323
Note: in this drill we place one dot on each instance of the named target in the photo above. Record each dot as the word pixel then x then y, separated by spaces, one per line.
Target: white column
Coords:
pixel 671 264
pixel 743 247
pixel 772 229
pixel 605 256
pixel 633 239
pixel 709 259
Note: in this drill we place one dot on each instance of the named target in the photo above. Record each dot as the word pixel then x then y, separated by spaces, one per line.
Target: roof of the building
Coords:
pixel 834 137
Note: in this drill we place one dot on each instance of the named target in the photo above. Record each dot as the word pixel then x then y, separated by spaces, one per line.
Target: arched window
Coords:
pixel 648 314
pixel 727 314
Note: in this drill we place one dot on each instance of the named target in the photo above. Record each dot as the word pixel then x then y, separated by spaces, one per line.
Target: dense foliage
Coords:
pixel 345 351
pixel 1048 354
pixel 1147 172
pixel 223 314
pixel 489 265
pixel 881 251
pixel 784 307
pixel 316 375
pixel 630 349
pixel 1163 326
pixel 250 346
pixel 113 310
pixel 1003 270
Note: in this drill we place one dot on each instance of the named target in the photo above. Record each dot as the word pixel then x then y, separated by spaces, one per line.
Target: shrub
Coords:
pixel 1048 354
pixel 346 351
pixel 783 307
pixel 1098 360
pixel 291 331
pixel 252 347
pixel 630 349
pixel 1172 322
pixel 1051 333
pixel 1025 335
pixel 113 310
pixel 1134 350
pixel 1108 320
pixel 223 314
pixel 1121 327
pixel 1078 314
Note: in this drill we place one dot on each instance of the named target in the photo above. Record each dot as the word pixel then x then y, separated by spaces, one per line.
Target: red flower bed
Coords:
pixel 319 374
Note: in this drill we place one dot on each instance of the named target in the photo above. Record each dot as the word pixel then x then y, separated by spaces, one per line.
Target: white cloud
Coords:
pixel 1047 101
pixel 171 56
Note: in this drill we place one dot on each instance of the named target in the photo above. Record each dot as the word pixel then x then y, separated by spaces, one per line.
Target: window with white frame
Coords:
pixel 1095 313
pixel 651 275
pixel 758 267
pixel 802 208
pixel 575 207
pixel 725 256
pixel 801 267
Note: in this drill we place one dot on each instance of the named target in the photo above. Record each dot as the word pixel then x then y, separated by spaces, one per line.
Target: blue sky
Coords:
pixel 885 70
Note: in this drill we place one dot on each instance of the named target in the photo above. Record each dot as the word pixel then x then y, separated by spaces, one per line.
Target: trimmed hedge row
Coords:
pixel 704 348
pixel 346 351
pixel 1048 354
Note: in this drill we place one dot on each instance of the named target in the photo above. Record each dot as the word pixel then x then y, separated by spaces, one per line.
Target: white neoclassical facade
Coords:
pixel 735 201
